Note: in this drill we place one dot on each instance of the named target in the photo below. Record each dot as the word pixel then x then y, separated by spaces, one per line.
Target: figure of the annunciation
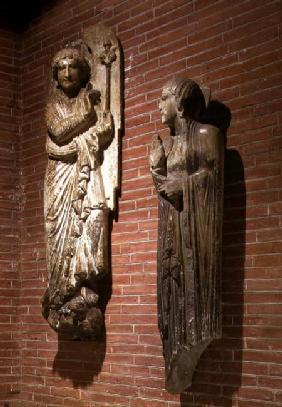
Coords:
pixel 83 117
pixel 187 170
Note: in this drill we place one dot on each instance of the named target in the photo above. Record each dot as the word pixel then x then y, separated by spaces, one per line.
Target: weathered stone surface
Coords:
pixel 188 174
pixel 83 117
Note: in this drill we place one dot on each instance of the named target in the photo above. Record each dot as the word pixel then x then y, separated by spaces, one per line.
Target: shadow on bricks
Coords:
pixel 81 361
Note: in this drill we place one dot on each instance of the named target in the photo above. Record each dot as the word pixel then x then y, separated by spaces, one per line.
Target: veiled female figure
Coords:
pixel 76 213
pixel 188 174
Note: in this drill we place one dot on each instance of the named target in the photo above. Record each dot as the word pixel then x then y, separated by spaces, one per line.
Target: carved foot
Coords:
pixel 79 317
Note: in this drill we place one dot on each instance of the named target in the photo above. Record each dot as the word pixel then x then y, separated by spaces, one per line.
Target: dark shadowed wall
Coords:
pixel 235 48
pixel 9 209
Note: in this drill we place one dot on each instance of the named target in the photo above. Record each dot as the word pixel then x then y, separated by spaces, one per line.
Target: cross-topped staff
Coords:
pixel 107 58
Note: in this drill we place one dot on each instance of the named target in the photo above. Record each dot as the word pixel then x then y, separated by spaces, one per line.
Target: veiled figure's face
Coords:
pixel 69 76
pixel 168 107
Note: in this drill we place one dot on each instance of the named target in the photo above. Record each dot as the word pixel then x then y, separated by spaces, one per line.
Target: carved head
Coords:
pixel 181 98
pixel 71 71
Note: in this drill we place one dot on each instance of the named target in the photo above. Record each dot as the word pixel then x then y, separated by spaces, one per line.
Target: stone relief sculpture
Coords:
pixel 83 117
pixel 187 170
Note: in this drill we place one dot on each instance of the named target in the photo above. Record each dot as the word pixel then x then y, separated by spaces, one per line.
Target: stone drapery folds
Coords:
pixel 187 171
pixel 83 117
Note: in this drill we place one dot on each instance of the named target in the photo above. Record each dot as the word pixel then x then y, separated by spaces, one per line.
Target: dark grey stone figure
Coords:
pixel 188 175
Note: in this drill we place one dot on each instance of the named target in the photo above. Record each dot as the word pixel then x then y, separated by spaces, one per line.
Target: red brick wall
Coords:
pixel 235 48
pixel 9 207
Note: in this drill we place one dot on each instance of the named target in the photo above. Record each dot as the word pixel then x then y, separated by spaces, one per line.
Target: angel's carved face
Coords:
pixel 70 76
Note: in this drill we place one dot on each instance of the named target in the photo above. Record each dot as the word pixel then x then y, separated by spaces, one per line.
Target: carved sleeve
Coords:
pixel 207 152
pixel 60 152
pixel 64 125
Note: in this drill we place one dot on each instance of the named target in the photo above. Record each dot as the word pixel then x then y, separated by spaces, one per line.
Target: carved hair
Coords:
pixel 79 59
pixel 189 97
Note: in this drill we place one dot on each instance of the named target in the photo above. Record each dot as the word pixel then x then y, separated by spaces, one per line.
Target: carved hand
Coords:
pixel 91 98
pixel 157 153
pixel 105 127
pixel 171 188
pixel 94 96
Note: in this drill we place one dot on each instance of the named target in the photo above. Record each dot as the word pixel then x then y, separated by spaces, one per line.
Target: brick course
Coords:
pixel 9 209
pixel 235 48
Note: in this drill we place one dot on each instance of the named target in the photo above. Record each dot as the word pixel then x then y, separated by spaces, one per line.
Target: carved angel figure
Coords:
pixel 188 175
pixel 76 212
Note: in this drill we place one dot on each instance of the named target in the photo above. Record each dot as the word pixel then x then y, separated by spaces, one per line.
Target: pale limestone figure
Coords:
pixel 188 174
pixel 83 117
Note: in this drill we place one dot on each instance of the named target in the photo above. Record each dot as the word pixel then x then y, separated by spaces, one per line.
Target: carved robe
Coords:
pixel 76 213
pixel 189 250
